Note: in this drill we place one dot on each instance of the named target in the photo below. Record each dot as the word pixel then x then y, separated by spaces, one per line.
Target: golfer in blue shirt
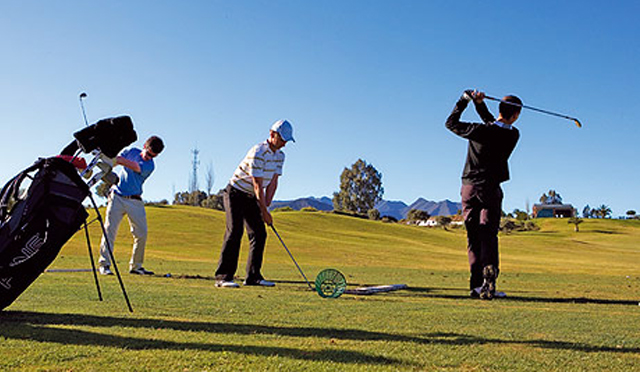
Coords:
pixel 125 198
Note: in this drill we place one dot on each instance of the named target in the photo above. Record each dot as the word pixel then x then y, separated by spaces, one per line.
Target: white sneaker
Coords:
pixel 475 293
pixel 226 284
pixel 141 271
pixel 262 283
pixel 105 270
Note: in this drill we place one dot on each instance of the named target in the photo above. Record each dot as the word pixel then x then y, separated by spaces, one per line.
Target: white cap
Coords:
pixel 284 129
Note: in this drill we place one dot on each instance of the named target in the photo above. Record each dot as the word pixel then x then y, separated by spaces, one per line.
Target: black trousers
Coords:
pixel 482 209
pixel 241 209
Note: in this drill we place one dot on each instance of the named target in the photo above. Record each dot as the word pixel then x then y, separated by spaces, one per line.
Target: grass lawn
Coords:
pixel 572 305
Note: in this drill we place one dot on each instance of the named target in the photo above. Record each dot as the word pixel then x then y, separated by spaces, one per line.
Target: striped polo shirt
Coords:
pixel 260 161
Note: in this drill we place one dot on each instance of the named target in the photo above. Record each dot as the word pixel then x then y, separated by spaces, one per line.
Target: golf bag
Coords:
pixel 35 223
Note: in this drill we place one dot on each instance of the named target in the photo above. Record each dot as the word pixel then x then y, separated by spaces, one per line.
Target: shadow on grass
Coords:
pixel 239 279
pixel 44 327
pixel 432 292
pixel 606 232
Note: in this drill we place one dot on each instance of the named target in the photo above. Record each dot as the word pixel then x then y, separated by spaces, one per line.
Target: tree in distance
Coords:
pixel 360 189
pixel 199 198
pixel 520 215
pixel 416 215
pixel 552 197
pixel 603 211
pixel 575 220
pixel 443 221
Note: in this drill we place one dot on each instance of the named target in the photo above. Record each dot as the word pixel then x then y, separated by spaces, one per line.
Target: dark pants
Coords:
pixel 482 209
pixel 241 209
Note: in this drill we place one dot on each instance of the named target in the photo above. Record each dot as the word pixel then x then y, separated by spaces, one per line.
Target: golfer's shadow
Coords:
pixel 45 327
pixel 437 293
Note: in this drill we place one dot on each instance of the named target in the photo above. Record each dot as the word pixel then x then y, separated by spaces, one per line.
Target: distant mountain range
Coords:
pixel 399 209
pixel 396 209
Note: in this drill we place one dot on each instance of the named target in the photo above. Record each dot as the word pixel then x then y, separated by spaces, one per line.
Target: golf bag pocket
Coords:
pixel 35 223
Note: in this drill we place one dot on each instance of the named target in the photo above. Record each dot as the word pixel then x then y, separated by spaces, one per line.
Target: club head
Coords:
pixel 577 123
pixel 83 95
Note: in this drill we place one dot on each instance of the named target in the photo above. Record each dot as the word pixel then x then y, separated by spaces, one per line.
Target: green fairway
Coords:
pixel 572 305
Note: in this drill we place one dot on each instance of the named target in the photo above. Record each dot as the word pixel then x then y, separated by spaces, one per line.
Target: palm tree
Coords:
pixel 603 211
pixel 576 221
pixel 543 199
pixel 554 197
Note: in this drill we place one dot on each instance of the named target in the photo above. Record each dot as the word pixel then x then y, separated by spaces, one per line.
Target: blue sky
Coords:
pixel 358 79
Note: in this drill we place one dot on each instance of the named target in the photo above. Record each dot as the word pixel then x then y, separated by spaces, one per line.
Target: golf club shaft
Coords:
pixel 293 259
pixel 84 113
pixel 537 109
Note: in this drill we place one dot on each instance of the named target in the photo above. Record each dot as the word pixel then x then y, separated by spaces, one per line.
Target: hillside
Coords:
pixel 572 302
pixel 321 239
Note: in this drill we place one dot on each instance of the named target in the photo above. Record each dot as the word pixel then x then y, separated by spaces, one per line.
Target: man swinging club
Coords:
pixel 246 198
pixel 490 146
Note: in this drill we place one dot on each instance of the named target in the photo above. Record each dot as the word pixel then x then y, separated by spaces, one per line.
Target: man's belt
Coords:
pixel 134 197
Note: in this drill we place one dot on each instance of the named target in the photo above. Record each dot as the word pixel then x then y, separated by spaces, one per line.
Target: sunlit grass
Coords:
pixel 573 302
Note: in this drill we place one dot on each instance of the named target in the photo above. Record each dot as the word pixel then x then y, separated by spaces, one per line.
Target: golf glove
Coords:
pixel 468 95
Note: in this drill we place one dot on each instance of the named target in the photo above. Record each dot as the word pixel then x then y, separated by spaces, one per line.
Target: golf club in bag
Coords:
pixel 36 222
pixel 330 283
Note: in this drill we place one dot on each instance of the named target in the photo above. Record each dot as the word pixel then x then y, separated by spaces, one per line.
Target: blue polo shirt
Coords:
pixel 130 181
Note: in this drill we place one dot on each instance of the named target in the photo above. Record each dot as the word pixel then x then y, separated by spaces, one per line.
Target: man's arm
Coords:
pixel 453 123
pixel 481 108
pixel 259 191
pixel 128 163
pixel 271 190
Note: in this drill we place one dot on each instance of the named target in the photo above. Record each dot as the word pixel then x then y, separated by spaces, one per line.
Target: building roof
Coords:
pixel 554 206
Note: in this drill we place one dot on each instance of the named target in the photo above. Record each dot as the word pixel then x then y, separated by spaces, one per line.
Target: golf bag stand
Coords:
pixel 109 251
pixel 93 265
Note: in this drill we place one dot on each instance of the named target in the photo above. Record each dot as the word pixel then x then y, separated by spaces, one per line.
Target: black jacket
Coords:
pixel 489 146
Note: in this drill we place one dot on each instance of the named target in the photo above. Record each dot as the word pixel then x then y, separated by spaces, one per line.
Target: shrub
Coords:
pixel 213 202
pixel 416 215
pixel 389 219
pixel 508 225
pixel 348 214
pixel 160 203
pixel 373 214
pixel 309 209
pixel 283 209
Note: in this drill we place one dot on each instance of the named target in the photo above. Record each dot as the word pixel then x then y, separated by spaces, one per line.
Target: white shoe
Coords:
pixel 105 270
pixel 475 293
pixel 141 271
pixel 226 284
pixel 262 283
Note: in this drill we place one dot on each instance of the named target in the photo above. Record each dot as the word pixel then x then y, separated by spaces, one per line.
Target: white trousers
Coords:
pixel 117 207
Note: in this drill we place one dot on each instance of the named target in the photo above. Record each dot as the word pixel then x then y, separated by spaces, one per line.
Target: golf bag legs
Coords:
pixel 93 265
pixel 110 250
